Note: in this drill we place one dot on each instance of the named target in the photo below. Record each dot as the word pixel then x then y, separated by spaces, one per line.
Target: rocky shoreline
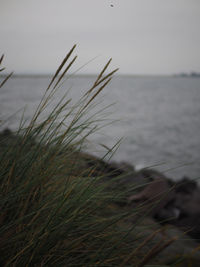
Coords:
pixel 175 203
pixel 169 211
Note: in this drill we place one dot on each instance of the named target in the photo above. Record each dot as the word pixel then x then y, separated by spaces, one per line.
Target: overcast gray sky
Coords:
pixel 142 36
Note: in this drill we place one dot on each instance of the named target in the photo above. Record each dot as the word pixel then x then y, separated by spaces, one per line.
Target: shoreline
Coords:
pixel 180 205
pixel 159 210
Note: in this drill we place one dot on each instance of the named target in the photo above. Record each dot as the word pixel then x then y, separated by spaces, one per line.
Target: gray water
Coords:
pixel 158 118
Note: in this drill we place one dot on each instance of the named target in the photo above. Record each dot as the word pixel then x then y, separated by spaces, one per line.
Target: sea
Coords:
pixel 146 121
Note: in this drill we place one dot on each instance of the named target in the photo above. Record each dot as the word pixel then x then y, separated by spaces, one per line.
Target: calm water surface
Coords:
pixel 159 118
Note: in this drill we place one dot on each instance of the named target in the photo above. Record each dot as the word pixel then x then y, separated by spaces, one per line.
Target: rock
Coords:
pixel 190 224
pixel 164 245
pixel 187 202
pixel 156 195
pixel 188 198
pixel 6 132
pixel 166 201
pixel 182 250
pixel 157 192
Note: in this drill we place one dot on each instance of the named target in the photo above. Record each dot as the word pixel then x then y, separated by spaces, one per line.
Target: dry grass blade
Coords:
pixel 45 99
pixel 2 69
pixel 103 79
pixel 104 69
pixel 61 65
pixel 1 59
pixel 156 250
pixel 99 80
pixel 99 90
pixel 82 108
pixel 4 81
pixel 65 71
pixel 96 83
pixel 150 237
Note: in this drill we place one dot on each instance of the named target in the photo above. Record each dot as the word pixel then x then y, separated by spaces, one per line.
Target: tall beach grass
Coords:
pixel 55 209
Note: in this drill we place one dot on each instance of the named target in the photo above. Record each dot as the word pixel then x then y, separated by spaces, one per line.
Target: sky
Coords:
pixel 142 36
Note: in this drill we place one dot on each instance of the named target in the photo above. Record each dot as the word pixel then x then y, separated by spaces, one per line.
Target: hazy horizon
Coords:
pixel 154 37
pixel 33 74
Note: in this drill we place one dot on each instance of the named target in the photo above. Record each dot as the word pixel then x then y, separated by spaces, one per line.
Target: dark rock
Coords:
pixel 157 192
pixel 167 201
pixel 6 132
pixel 186 186
pixel 162 199
pixel 190 224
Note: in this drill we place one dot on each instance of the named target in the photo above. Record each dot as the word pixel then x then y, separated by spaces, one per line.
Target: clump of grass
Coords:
pixel 54 210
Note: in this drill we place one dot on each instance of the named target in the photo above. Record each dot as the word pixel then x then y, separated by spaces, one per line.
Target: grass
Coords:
pixel 56 209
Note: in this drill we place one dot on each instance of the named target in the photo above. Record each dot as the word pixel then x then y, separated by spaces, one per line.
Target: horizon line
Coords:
pixel 94 74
